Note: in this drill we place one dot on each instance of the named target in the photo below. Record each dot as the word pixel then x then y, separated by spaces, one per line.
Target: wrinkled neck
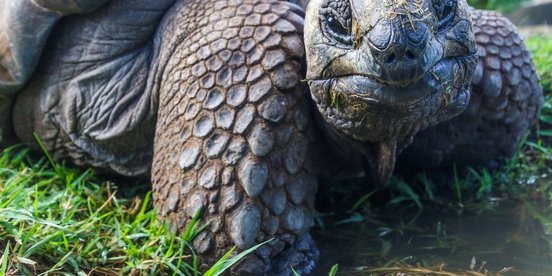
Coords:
pixel 347 157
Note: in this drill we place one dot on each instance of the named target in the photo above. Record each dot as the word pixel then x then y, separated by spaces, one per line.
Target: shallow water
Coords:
pixel 502 234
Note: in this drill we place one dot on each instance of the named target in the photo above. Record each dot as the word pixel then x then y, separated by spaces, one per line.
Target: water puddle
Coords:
pixel 490 235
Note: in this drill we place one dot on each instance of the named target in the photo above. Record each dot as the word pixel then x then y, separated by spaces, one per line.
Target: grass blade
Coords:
pixel 5 258
pixel 333 271
pixel 224 263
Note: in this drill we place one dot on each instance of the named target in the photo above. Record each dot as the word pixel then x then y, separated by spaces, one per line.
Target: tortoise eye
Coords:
pixel 336 26
pixel 335 29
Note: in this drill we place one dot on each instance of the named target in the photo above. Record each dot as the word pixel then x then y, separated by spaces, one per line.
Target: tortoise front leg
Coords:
pixel 234 134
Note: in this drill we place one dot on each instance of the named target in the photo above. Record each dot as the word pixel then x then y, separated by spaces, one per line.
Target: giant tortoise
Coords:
pixel 238 107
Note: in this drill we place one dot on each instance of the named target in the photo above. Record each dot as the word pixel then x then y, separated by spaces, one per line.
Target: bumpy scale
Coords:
pixel 234 135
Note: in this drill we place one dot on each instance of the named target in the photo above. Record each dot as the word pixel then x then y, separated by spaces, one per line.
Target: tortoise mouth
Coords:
pixel 372 91
pixel 446 77
pixel 442 77
pixel 368 109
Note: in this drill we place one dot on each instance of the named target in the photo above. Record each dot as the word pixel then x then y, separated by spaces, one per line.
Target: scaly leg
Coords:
pixel 234 133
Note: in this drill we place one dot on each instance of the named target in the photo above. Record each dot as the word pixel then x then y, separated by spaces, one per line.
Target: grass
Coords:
pixel 62 221
pixel 500 5
pixel 541 47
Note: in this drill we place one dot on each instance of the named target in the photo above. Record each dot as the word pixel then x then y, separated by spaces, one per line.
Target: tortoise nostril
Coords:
pixel 391 58
pixel 399 51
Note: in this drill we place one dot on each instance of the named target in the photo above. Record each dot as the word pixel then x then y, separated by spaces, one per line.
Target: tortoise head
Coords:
pixel 380 71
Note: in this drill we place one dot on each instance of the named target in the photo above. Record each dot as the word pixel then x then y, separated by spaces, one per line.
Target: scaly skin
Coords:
pixel 96 103
pixel 19 53
pixel 206 96
pixel 234 135
pixel 24 28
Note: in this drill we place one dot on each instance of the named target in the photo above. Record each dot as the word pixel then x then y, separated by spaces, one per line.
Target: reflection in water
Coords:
pixel 498 234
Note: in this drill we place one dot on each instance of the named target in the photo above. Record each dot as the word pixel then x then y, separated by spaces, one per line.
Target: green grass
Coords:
pixel 500 5
pixel 541 48
pixel 537 161
pixel 57 220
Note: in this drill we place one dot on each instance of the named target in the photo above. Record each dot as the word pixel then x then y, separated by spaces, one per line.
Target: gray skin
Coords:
pixel 206 98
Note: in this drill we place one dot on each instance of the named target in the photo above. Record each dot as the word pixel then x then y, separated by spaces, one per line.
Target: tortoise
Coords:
pixel 238 107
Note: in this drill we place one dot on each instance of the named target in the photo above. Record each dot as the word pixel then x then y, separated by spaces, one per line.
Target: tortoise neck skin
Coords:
pixel 380 71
